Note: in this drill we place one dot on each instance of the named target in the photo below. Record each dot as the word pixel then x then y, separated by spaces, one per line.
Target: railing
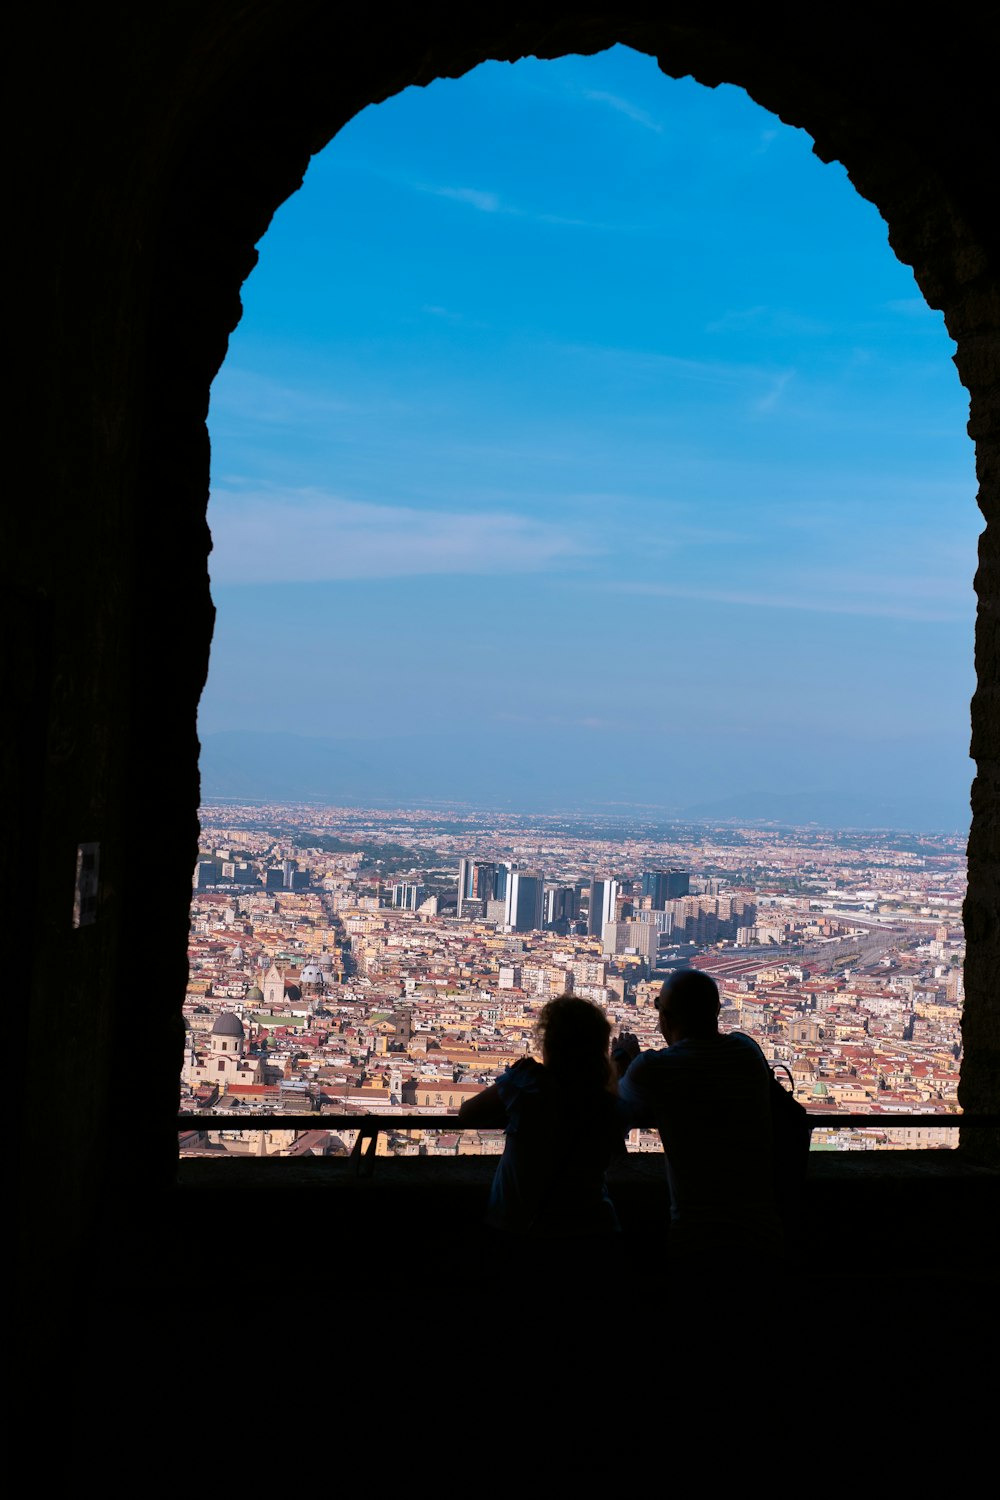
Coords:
pixel 369 1127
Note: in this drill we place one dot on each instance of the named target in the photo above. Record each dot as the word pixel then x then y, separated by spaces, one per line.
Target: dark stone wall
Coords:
pixel 150 147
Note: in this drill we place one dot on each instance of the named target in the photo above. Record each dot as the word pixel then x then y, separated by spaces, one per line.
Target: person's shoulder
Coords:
pixel 643 1086
pixel 526 1076
pixel 740 1041
pixel 653 1056
pixel 647 1065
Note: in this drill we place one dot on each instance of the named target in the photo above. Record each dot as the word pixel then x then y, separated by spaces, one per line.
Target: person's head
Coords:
pixel 575 1036
pixel 688 1006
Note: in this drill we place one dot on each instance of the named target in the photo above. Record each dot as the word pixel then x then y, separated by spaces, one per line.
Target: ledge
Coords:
pixel 912 1213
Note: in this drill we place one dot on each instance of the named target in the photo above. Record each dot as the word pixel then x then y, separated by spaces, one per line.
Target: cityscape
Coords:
pixel 348 961
pixel 572 485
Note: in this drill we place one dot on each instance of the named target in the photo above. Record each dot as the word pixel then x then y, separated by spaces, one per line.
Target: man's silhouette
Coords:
pixel 708 1094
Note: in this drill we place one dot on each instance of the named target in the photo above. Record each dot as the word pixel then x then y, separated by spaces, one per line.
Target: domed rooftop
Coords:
pixel 255 995
pixel 228 1025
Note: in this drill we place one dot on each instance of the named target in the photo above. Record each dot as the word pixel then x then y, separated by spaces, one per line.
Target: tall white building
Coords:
pixel 523 910
pixel 603 895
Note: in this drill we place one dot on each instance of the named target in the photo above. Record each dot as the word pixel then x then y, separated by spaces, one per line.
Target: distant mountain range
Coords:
pixel 482 770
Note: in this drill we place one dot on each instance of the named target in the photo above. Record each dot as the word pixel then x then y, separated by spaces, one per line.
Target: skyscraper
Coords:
pixel 523 912
pixel 477 880
pixel 665 885
pixel 466 876
pixel 603 895
pixel 407 895
pixel 560 906
pixel 641 938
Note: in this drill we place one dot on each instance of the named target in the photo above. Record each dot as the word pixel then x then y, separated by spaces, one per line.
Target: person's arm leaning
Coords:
pixel 629 1063
pixel 484 1111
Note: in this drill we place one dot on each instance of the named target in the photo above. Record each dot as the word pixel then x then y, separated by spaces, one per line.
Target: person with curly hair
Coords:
pixel 563 1126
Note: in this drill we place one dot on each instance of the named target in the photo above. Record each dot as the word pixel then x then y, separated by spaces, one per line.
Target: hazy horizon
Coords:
pixel 291 770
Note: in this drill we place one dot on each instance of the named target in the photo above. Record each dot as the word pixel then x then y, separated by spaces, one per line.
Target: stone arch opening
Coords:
pixel 313 278
pixel 282 94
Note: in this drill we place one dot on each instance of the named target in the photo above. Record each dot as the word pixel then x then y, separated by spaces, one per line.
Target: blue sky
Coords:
pixel 584 411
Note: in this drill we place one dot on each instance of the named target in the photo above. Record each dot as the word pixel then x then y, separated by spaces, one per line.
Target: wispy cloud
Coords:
pixel 573 223
pixel 756 388
pixel 486 203
pixel 634 362
pixel 254 397
pixel 772 396
pixel 310 537
pixel 766 320
pixel 457 319
pixel 556 721
pixel 928 600
pixel 625 107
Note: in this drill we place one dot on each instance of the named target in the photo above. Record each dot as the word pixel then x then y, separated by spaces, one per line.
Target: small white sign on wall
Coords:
pixel 85 890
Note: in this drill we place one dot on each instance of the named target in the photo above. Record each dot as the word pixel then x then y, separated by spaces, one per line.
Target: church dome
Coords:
pixel 255 996
pixel 311 974
pixel 229 1025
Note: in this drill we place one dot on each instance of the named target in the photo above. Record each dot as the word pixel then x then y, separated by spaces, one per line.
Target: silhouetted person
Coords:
pixel 708 1094
pixel 563 1126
